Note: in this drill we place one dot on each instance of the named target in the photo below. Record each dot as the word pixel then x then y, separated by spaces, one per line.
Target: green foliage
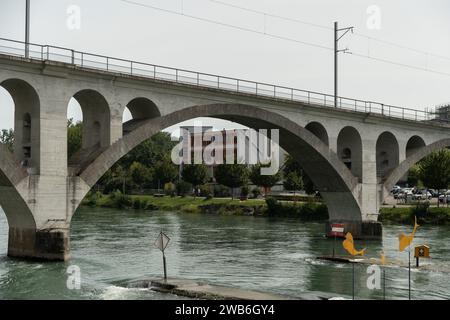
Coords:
pixel 206 190
pixel 92 199
pixel 183 188
pixel 413 176
pixel 231 175
pixel 294 175
pixel 221 191
pixel 424 213
pixel 170 189
pixel 256 192
pixel 420 210
pixel 140 174
pixel 164 171
pixel 293 181
pixel 147 166
pixel 265 181
pixel 195 174
pixel 117 178
pixel 7 138
pixel 308 185
pixel 306 212
pixel 74 137
pixel 245 191
pixel 435 170
pixel 139 204
pixel 120 200
pixel 157 148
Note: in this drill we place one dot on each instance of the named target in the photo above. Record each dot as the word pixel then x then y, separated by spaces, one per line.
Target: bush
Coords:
pixel 273 206
pixel 190 208
pixel 170 189
pixel 420 210
pixel 256 192
pixel 92 198
pixel 206 191
pixel 307 212
pixel 119 200
pixel 139 204
pixel 244 191
pixel 183 188
pixel 221 191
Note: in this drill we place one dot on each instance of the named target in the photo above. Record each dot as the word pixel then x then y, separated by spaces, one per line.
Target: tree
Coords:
pixel 292 165
pixel 413 176
pixel 265 181
pixel 140 174
pixel 435 170
pixel 116 178
pixel 195 174
pixel 293 181
pixel 7 138
pixel 231 175
pixel 74 137
pixel 151 151
pixel 164 171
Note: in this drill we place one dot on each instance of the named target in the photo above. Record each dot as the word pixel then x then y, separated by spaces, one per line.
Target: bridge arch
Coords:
pixel 332 178
pixel 318 130
pixel 96 118
pixel 141 109
pixel 387 153
pixel 349 149
pixel 26 122
pixel 415 156
pixel 414 143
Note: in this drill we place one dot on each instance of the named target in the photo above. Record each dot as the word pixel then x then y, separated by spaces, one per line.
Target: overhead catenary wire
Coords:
pixel 284 38
pixel 224 24
pixel 320 26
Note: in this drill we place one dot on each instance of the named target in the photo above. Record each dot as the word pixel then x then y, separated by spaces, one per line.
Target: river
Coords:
pixel 113 248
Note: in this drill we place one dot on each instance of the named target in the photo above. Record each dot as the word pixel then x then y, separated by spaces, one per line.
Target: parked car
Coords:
pixel 422 195
pixel 404 193
pixel 434 193
pixel 445 197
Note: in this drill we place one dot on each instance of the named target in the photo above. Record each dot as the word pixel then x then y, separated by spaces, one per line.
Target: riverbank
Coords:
pixel 425 214
pixel 307 211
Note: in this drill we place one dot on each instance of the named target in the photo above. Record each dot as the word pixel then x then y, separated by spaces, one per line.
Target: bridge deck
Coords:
pixel 134 68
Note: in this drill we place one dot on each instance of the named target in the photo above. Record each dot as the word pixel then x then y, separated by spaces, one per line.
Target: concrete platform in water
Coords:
pixel 203 290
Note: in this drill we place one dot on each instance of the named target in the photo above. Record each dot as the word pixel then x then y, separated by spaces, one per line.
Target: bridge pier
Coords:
pixel 52 244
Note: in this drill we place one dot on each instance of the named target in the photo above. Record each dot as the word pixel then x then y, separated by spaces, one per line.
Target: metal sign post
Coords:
pixel 161 243
pixel 409 273
pixel 337 230
pixel 353 281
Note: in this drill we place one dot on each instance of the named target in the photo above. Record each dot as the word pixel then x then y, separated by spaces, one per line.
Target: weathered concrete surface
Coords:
pixel 52 244
pixel 202 290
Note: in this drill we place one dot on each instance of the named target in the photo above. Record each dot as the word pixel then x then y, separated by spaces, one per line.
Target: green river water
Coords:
pixel 113 248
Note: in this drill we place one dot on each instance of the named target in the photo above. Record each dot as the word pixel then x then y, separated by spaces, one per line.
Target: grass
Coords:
pixel 226 206
pixel 424 214
pixel 167 203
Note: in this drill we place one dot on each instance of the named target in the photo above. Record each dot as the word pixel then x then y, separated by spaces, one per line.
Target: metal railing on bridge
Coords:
pixel 129 67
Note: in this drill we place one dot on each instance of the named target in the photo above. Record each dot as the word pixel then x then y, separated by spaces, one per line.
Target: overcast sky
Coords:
pixel 122 29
